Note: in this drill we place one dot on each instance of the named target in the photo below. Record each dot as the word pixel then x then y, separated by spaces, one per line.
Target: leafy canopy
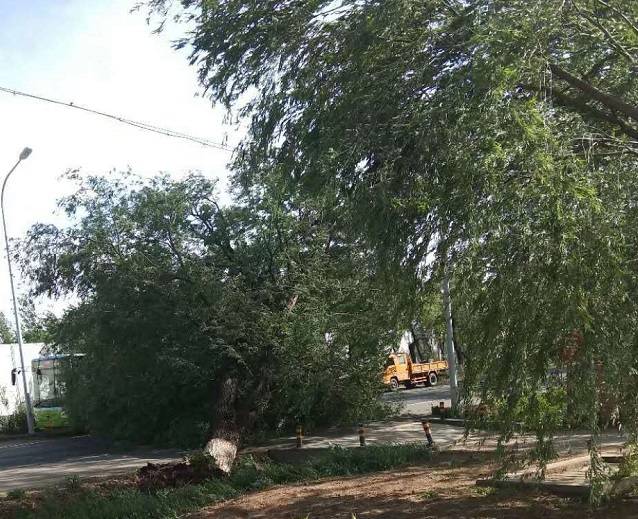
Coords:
pixel 496 136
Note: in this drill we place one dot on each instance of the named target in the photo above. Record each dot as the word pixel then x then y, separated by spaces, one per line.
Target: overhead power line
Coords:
pixel 136 124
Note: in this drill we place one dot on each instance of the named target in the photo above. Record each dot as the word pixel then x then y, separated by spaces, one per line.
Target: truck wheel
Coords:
pixel 433 380
pixel 394 384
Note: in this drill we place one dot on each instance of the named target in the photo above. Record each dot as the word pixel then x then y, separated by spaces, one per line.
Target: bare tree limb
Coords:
pixel 610 101
pixel 633 26
pixel 611 39
pixel 584 108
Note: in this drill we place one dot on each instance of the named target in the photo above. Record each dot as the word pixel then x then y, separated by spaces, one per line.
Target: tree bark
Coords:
pixel 224 434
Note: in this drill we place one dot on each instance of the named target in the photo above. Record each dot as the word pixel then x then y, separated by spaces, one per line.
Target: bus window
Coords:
pixel 48 383
pixel 45 388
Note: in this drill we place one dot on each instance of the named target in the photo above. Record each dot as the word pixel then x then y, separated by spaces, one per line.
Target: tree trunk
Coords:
pixel 224 434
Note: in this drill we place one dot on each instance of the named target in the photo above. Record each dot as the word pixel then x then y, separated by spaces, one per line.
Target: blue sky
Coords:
pixel 97 54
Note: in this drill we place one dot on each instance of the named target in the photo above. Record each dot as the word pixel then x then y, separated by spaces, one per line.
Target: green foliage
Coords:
pixel 629 465
pixel 599 474
pixel 178 295
pixel 14 423
pixel 52 419
pixel 16 494
pixel 198 459
pixel 249 474
pixel 543 411
pixel 127 503
pixel 72 483
pixel 485 491
pixel 429 495
pixel 496 137
pixel 7 336
pixel 35 327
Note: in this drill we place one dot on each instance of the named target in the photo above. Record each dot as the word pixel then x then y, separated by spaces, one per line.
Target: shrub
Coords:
pixel 15 423
pixel 16 494
pixel 629 465
pixel 72 483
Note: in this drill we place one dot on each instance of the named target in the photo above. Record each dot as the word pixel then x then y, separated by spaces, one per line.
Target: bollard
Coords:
pixel 428 435
pixel 299 436
pixel 442 410
pixel 362 436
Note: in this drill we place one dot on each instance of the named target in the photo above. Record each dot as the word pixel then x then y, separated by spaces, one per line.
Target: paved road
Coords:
pixel 419 401
pixel 29 463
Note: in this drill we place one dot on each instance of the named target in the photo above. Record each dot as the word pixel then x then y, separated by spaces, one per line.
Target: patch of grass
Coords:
pixel 76 501
pixel 251 473
pixel 485 491
pixel 127 503
pixel 72 483
pixel 343 462
pixel 16 494
pixel 429 495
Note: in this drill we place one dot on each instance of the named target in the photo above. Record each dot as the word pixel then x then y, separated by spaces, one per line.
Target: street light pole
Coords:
pixel 27 398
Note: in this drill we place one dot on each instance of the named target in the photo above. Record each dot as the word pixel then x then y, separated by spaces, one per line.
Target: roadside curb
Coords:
pixel 39 435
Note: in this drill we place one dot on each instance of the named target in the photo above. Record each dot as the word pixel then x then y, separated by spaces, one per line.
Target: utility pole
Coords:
pixel 27 398
pixel 449 340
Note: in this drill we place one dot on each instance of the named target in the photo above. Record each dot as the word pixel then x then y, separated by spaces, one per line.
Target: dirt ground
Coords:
pixel 442 490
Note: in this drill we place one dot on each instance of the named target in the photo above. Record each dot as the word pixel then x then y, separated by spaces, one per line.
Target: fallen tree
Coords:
pixel 185 320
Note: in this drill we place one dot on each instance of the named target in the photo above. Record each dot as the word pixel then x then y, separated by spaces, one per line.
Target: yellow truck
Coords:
pixel 400 369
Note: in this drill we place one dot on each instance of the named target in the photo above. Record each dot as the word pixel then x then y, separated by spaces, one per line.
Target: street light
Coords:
pixel 27 398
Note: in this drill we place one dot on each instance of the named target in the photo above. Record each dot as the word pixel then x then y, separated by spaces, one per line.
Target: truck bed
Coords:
pixel 425 367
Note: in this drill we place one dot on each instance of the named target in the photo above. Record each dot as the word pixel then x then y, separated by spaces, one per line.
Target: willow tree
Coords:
pixel 495 135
